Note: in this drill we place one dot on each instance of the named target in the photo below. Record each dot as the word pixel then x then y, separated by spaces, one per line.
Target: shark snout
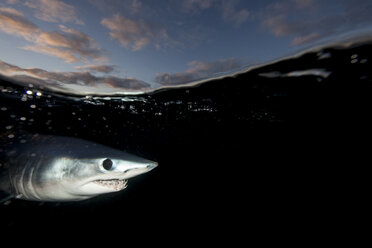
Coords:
pixel 152 165
pixel 140 168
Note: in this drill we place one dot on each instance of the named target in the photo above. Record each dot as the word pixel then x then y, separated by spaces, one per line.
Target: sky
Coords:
pixel 122 46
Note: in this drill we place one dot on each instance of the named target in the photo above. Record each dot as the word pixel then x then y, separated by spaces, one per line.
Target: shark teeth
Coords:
pixel 116 184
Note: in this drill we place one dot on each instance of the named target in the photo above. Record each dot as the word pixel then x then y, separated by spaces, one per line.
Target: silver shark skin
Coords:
pixel 54 168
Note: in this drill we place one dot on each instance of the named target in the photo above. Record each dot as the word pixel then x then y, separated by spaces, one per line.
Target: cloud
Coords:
pixel 196 5
pixel 97 68
pixel 62 80
pixel 12 1
pixel 174 78
pixel 309 20
pixel 14 23
pixel 205 69
pixel 230 12
pixel 68 44
pixel 132 7
pixel 229 9
pixel 133 34
pixel 299 18
pixel 135 6
pixel 8 68
pixel 67 56
pixel 299 40
pixel 53 11
pixel 198 70
pixel 126 83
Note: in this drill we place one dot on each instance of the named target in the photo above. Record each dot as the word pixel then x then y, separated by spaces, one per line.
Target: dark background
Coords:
pixel 240 158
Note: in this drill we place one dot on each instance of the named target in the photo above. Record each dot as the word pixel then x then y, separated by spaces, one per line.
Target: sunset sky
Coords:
pixel 117 45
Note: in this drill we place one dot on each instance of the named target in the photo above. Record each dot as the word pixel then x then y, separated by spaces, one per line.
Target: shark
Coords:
pixel 57 169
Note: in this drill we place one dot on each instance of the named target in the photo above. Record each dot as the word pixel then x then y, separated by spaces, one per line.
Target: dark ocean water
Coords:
pixel 273 153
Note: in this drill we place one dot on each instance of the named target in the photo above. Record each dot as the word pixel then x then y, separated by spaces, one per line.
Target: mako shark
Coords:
pixel 55 168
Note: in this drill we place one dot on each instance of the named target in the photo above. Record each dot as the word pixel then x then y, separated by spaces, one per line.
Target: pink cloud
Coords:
pixel 68 44
pixel 97 68
pixel 63 80
pixel 14 23
pixel 67 56
pixel 53 11
pixel 12 1
pixel 133 34
pixel 128 32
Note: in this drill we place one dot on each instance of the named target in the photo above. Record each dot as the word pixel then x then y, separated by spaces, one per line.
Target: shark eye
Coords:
pixel 107 164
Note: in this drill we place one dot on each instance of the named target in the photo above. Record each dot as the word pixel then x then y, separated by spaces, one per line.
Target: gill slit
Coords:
pixel 29 168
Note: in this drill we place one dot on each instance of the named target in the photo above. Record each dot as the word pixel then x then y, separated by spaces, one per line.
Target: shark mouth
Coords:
pixel 115 184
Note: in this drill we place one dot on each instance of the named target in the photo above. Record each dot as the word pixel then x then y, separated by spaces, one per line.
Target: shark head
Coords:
pixel 96 176
pixel 53 168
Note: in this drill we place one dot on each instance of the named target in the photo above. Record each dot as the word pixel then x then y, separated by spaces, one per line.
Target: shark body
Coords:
pixel 55 168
